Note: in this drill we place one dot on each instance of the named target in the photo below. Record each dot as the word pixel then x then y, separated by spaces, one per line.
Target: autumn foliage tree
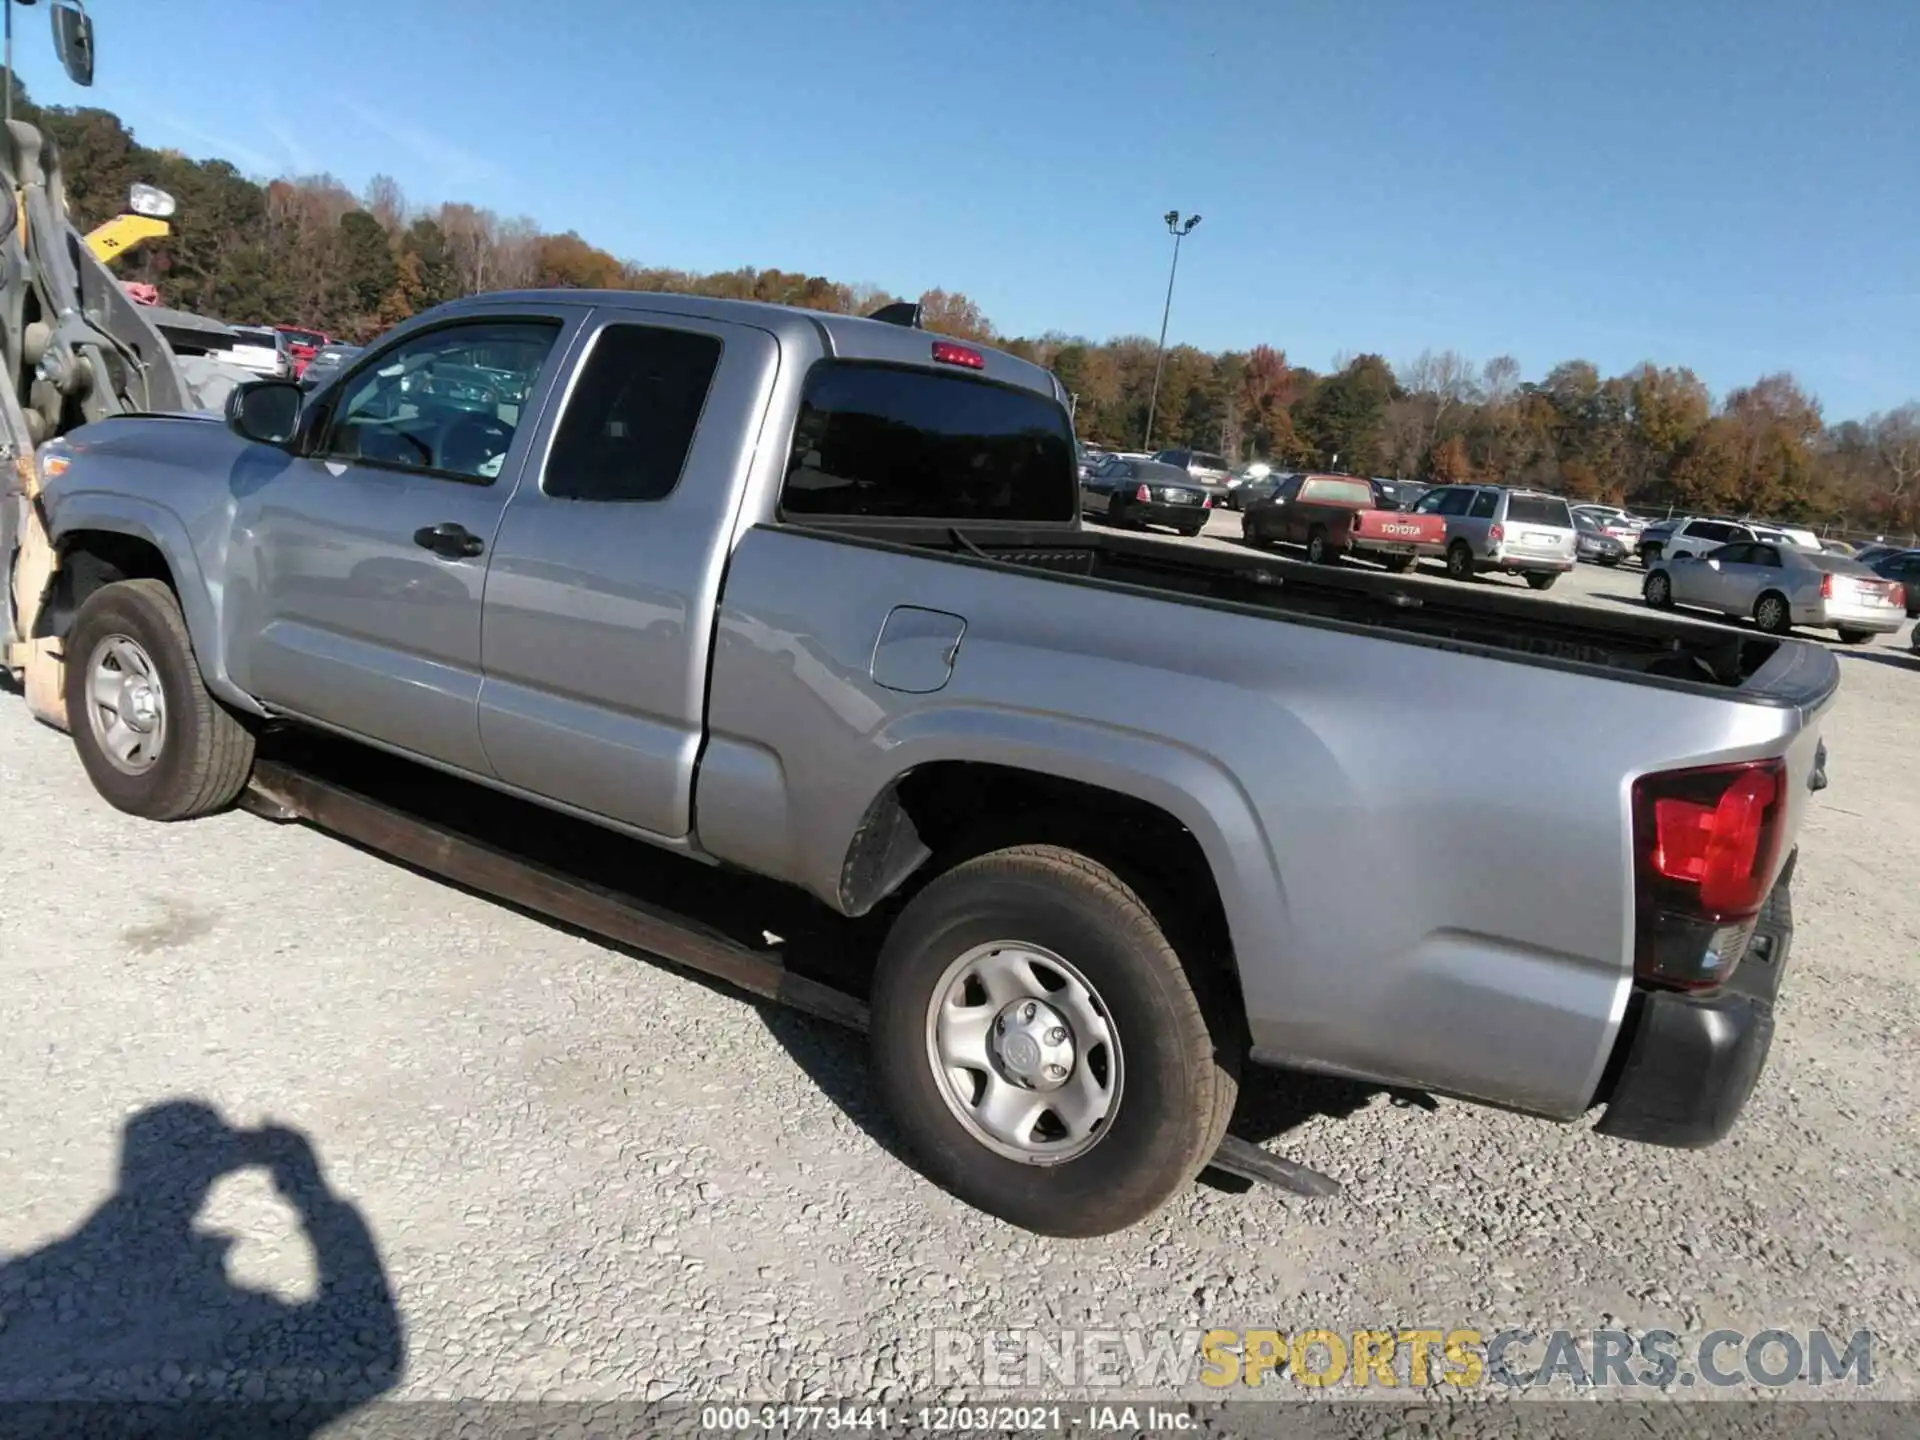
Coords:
pixel 307 250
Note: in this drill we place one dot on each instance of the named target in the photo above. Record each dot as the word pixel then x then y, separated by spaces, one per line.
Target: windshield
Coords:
pixel 890 442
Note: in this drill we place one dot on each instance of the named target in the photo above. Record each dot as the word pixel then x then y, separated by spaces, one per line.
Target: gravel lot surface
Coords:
pixel 553 1169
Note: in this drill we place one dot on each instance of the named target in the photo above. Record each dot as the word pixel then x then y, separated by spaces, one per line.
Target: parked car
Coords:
pixel 261 349
pixel 1594 542
pixel 1614 520
pixel 1694 536
pixel 1867 554
pixel 1797 535
pixel 328 361
pixel 1780 585
pixel 1904 566
pixel 1493 528
pixel 1335 515
pixel 1130 813
pixel 1255 475
pixel 1396 494
pixel 1212 471
pixel 1250 491
pixel 1839 547
pixel 1132 493
pixel 304 345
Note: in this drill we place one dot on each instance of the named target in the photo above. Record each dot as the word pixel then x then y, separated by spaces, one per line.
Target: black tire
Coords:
pixel 1179 1075
pixel 1250 532
pixel 1771 614
pixel 1117 514
pixel 1542 579
pixel 1459 561
pixel 1320 549
pixel 205 754
pixel 1650 554
pixel 1398 564
pixel 1658 591
pixel 1193 530
pixel 1855 637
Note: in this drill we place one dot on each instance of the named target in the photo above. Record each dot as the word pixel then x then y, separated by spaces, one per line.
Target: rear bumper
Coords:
pixel 1158 512
pixel 1878 621
pixel 1524 564
pixel 1685 1065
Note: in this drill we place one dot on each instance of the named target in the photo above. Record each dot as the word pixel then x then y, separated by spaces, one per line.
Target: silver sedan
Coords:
pixel 1780 586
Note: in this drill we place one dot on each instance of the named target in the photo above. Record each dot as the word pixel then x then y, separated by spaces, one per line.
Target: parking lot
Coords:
pixel 588 1176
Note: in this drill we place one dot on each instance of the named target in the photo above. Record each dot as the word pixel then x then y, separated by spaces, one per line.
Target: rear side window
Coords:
pixel 1711 530
pixel 632 415
pixel 1484 504
pixel 1538 510
pixel 887 442
pixel 1211 462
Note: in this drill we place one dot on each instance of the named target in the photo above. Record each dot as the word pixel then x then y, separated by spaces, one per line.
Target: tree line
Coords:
pixel 306 250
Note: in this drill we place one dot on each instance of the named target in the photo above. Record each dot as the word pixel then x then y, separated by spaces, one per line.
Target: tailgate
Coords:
pixel 1397 527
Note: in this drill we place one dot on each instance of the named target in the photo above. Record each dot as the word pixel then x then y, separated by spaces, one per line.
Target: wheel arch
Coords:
pixel 124 538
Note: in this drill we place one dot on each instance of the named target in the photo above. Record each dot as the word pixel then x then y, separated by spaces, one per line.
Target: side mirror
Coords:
pixel 264 411
pixel 73 40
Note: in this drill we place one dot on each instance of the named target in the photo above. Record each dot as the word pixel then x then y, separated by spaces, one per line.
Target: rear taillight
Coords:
pixel 1495 534
pixel 1706 846
pixel 1206 502
pixel 1826 587
pixel 1143 494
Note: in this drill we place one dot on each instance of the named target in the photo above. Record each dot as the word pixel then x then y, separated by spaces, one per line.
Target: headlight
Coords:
pixel 151 201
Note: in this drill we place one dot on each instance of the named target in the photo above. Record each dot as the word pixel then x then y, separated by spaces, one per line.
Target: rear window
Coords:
pixel 1338 492
pixel 1538 510
pixel 1210 462
pixel 1835 564
pixel 889 442
pixel 304 337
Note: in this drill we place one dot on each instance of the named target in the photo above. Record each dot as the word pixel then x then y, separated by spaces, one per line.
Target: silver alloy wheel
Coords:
pixel 1023 1052
pixel 1772 615
pixel 1657 588
pixel 126 705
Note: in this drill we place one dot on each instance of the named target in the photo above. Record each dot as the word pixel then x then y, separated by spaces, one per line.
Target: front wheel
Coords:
pixel 1542 579
pixel 152 740
pixel 1459 561
pixel 1043 1049
pixel 1855 637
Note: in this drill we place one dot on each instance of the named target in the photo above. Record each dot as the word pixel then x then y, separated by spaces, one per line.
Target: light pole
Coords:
pixel 1179 229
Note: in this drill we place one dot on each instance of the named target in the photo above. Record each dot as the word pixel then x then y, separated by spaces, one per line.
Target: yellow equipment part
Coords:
pixel 124 233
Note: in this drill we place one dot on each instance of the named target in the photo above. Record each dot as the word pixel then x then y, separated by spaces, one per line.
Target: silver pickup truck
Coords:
pixel 807 596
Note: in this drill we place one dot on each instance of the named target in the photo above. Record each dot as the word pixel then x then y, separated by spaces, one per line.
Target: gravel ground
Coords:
pixel 539 1167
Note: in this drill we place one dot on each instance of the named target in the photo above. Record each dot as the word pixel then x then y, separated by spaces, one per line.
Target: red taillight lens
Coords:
pixel 1143 494
pixel 948 353
pixel 1206 502
pixel 1826 587
pixel 1707 843
pixel 1496 533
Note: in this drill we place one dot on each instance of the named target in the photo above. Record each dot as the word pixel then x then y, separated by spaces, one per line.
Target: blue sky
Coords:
pixel 1725 185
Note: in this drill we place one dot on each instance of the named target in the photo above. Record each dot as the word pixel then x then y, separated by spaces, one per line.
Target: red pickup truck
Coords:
pixel 1336 515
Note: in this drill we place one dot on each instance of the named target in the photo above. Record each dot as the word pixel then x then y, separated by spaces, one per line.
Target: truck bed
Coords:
pixel 1643 646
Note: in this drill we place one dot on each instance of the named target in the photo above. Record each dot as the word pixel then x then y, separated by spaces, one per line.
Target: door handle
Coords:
pixel 450 539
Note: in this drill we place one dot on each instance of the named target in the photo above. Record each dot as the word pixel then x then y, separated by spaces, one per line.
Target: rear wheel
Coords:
pixel 1190 531
pixel 1542 579
pixel 1771 614
pixel 153 741
pixel 1250 531
pixel 1459 561
pixel 1658 591
pixel 1042 1047
pixel 1650 554
pixel 1117 513
pixel 1398 564
pixel 1320 549
pixel 1855 637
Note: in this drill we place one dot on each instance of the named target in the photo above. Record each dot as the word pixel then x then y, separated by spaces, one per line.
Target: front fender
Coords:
pixel 160 527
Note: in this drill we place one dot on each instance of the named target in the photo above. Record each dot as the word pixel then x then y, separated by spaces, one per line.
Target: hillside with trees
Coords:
pixel 306 250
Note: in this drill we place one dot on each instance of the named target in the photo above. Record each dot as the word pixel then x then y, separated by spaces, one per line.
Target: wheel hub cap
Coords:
pixel 1033 1044
pixel 138 707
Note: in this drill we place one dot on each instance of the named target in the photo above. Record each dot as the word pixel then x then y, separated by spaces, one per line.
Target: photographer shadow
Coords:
pixel 133 1320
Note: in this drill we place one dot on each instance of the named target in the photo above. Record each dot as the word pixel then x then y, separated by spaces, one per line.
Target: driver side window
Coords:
pixel 447 402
